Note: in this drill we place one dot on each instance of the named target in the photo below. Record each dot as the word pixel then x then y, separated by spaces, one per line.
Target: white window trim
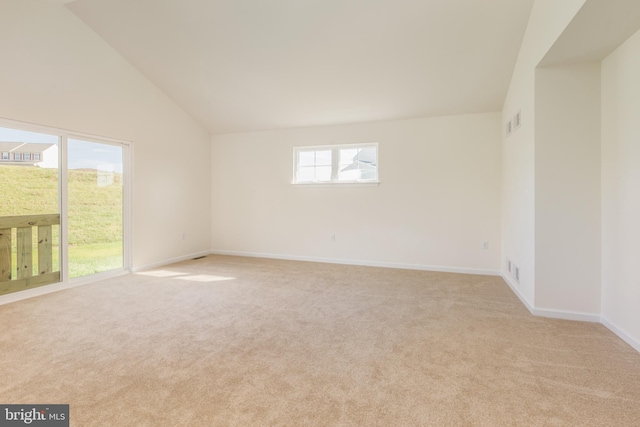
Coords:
pixel 335 149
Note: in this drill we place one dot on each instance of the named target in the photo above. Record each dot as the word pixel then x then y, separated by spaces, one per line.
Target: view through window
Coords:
pixel 336 164
pixel 95 207
pixel 30 190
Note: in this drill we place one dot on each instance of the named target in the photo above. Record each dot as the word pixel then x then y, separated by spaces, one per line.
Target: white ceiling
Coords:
pixel 243 65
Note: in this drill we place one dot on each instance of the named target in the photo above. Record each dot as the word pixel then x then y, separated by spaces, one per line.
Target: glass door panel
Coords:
pixel 29 209
pixel 95 207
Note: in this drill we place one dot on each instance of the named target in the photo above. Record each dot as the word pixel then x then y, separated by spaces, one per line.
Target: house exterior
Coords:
pixel 29 154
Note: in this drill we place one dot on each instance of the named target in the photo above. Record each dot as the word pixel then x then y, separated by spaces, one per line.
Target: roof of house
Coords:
pixel 23 147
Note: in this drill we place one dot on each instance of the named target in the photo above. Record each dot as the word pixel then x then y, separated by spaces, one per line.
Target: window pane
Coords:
pixel 314 166
pixel 306 174
pixel 368 175
pixel 348 156
pixel 368 155
pixel 349 175
pixel 358 164
pixel 323 158
pixel 95 207
pixel 306 158
pixel 323 173
pixel 30 189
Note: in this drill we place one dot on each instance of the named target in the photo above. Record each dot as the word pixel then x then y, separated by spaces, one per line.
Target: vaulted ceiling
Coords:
pixel 244 65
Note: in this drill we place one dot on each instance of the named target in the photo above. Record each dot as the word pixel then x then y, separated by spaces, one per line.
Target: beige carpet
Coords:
pixel 228 341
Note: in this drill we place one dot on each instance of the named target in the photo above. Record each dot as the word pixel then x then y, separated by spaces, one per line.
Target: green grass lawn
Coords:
pixel 95 213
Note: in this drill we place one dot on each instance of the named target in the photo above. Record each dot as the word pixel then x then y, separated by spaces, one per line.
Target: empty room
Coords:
pixel 319 212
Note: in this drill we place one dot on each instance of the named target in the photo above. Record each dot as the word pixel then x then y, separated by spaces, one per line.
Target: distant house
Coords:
pixel 29 154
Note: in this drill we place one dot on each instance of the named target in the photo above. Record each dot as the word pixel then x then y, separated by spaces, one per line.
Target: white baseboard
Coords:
pixel 550 313
pixel 145 267
pixel 360 262
pixel 621 333
pixel 567 315
pixel 514 288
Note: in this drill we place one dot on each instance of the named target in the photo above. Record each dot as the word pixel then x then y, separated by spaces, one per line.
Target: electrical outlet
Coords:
pixel 517 275
pixel 509 265
pixel 516 121
pixel 485 246
pixel 333 238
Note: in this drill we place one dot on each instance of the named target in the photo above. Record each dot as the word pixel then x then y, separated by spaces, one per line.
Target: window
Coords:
pixel 36 157
pixel 336 164
pixel 313 166
pixel 26 156
pixel 17 156
pixel 5 156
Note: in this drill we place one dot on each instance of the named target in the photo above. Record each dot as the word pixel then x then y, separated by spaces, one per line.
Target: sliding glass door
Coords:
pixel 63 204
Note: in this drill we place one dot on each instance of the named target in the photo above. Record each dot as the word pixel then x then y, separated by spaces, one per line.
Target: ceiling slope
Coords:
pixel 244 65
pixel 596 31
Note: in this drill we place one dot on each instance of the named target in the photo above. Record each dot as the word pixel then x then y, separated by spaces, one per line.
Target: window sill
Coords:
pixel 337 184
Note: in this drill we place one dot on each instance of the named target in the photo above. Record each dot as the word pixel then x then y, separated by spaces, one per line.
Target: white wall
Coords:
pixel 620 190
pixel 567 189
pixel 548 19
pixel 438 201
pixel 57 72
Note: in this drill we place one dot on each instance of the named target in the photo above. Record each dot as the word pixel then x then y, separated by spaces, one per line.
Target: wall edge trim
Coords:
pixel 157 264
pixel 621 333
pixel 567 315
pixel 516 291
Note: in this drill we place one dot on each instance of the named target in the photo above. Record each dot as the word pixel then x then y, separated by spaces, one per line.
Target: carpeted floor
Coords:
pixel 229 341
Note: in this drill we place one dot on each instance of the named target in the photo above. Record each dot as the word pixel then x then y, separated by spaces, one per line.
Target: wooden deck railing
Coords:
pixel 24 225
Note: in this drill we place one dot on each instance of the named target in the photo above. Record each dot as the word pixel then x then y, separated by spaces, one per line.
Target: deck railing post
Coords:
pixel 5 254
pixel 24 278
pixel 45 258
pixel 25 252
